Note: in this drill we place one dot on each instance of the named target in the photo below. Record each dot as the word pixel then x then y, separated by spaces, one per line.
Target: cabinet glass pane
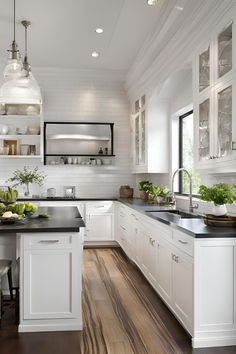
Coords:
pixel 204 69
pixel 225 51
pixel 136 106
pixel 225 122
pixel 204 130
pixel 136 143
pixel 143 140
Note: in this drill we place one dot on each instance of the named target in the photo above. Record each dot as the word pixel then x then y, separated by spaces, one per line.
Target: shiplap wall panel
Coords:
pixel 74 95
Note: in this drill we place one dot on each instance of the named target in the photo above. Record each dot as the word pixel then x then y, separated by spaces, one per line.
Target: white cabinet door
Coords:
pixel 99 227
pixel 149 253
pixel 51 280
pixel 164 270
pixel 182 281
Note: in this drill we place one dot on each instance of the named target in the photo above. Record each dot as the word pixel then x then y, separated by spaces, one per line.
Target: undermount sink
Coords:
pixel 176 213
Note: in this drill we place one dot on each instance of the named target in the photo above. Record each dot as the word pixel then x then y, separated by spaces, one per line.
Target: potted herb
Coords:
pixel 144 187
pixel 220 194
pixel 158 193
pixel 26 177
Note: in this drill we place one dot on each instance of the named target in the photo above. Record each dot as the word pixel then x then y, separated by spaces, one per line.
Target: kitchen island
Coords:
pixel 50 253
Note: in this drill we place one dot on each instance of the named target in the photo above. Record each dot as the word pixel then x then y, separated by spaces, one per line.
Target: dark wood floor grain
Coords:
pixel 122 315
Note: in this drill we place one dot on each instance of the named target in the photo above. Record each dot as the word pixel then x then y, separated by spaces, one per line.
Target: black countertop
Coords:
pixel 192 226
pixel 60 199
pixel 60 220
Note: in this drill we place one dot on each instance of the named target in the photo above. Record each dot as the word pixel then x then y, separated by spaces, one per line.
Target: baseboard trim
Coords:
pixel 213 342
pixel 23 328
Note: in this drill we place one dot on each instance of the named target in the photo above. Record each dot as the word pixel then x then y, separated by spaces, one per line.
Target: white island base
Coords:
pixel 50 281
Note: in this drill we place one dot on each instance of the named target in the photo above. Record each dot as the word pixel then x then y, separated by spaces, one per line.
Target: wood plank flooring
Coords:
pixel 122 315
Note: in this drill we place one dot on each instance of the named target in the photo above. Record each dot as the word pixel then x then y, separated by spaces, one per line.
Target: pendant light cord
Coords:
pixel 14 20
pixel 26 45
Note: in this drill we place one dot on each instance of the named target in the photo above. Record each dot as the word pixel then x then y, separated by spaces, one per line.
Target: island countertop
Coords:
pixel 60 220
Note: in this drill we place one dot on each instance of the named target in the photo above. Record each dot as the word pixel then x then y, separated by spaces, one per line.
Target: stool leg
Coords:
pixel 9 276
pixel 0 301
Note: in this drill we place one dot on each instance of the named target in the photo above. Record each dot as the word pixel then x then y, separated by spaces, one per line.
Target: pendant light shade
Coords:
pixel 19 85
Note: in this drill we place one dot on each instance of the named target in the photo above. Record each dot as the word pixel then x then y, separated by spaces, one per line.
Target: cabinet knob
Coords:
pixel 177 259
pixel 153 242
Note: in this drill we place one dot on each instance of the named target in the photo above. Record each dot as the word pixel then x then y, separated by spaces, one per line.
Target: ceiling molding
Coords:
pixel 195 24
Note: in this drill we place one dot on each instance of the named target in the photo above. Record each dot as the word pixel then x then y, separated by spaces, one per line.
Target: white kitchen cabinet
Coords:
pixel 164 270
pixel 50 281
pixel 99 227
pixel 194 276
pixel 182 287
pixel 214 102
pixel 99 221
pixel 149 252
pixel 149 126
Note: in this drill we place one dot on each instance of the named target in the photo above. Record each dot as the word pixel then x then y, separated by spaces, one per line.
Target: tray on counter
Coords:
pixel 221 221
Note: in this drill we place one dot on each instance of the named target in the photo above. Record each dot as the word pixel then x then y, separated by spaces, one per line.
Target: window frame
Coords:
pixel 180 184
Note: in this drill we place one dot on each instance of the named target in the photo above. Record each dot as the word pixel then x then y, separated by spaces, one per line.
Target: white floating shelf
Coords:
pixel 20 156
pixel 18 136
pixel 19 116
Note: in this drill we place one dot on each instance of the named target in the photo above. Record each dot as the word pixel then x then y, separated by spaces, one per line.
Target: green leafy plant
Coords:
pixel 27 177
pixel 157 191
pixel 219 194
pixel 144 185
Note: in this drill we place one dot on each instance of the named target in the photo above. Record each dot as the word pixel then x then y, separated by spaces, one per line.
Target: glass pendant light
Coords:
pixel 13 69
pixel 19 85
pixel 28 90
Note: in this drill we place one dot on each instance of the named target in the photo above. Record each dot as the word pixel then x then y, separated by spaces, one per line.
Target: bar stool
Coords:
pixel 5 268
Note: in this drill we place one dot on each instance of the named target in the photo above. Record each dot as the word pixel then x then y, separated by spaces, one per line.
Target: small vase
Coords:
pixel 159 200
pixel 26 190
pixel 143 195
pixel 219 210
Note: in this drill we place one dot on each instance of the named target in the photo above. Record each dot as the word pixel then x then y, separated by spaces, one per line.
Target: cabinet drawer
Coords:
pixel 99 207
pixel 183 242
pixel 48 241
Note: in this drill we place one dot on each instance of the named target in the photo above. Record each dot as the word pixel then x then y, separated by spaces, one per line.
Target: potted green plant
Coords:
pixel 26 177
pixel 220 194
pixel 144 187
pixel 158 193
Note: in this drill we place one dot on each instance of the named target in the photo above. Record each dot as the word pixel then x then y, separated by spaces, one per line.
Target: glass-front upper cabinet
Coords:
pixel 136 139
pixel 204 69
pixel 225 51
pixel 224 124
pixel 139 128
pixel 204 130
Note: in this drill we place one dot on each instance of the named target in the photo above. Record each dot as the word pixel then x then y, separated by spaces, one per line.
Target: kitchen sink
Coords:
pixel 174 213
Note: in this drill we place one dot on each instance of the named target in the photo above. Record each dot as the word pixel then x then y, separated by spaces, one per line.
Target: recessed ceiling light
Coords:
pixel 95 54
pixel 99 30
pixel 152 2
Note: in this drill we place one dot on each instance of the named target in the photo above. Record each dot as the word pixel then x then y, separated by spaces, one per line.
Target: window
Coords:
pixel 186 154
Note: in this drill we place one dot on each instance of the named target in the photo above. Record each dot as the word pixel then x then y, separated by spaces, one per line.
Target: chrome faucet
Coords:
pixel 191 205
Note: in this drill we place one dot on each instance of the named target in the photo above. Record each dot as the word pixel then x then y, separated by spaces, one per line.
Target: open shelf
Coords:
pixel 77 139
pixel 18 136
pixel 20 156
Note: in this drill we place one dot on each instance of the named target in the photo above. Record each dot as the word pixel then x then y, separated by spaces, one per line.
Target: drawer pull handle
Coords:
pixel 100 206
pixel 48 241
pixel 123 228
pixel 183 242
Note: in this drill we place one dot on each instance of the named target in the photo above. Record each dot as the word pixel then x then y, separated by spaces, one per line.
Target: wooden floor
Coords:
pixel 122 315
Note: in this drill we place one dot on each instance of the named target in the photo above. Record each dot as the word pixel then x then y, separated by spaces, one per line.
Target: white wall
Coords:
pixel 73 95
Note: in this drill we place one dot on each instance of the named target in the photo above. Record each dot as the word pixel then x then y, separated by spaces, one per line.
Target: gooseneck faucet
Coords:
pixel 191 205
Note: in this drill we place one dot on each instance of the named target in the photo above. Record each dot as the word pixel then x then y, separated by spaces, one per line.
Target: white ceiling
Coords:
pixel 62 33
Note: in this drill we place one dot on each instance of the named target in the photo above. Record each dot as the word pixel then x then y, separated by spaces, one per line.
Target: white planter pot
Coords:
pixel 219 210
